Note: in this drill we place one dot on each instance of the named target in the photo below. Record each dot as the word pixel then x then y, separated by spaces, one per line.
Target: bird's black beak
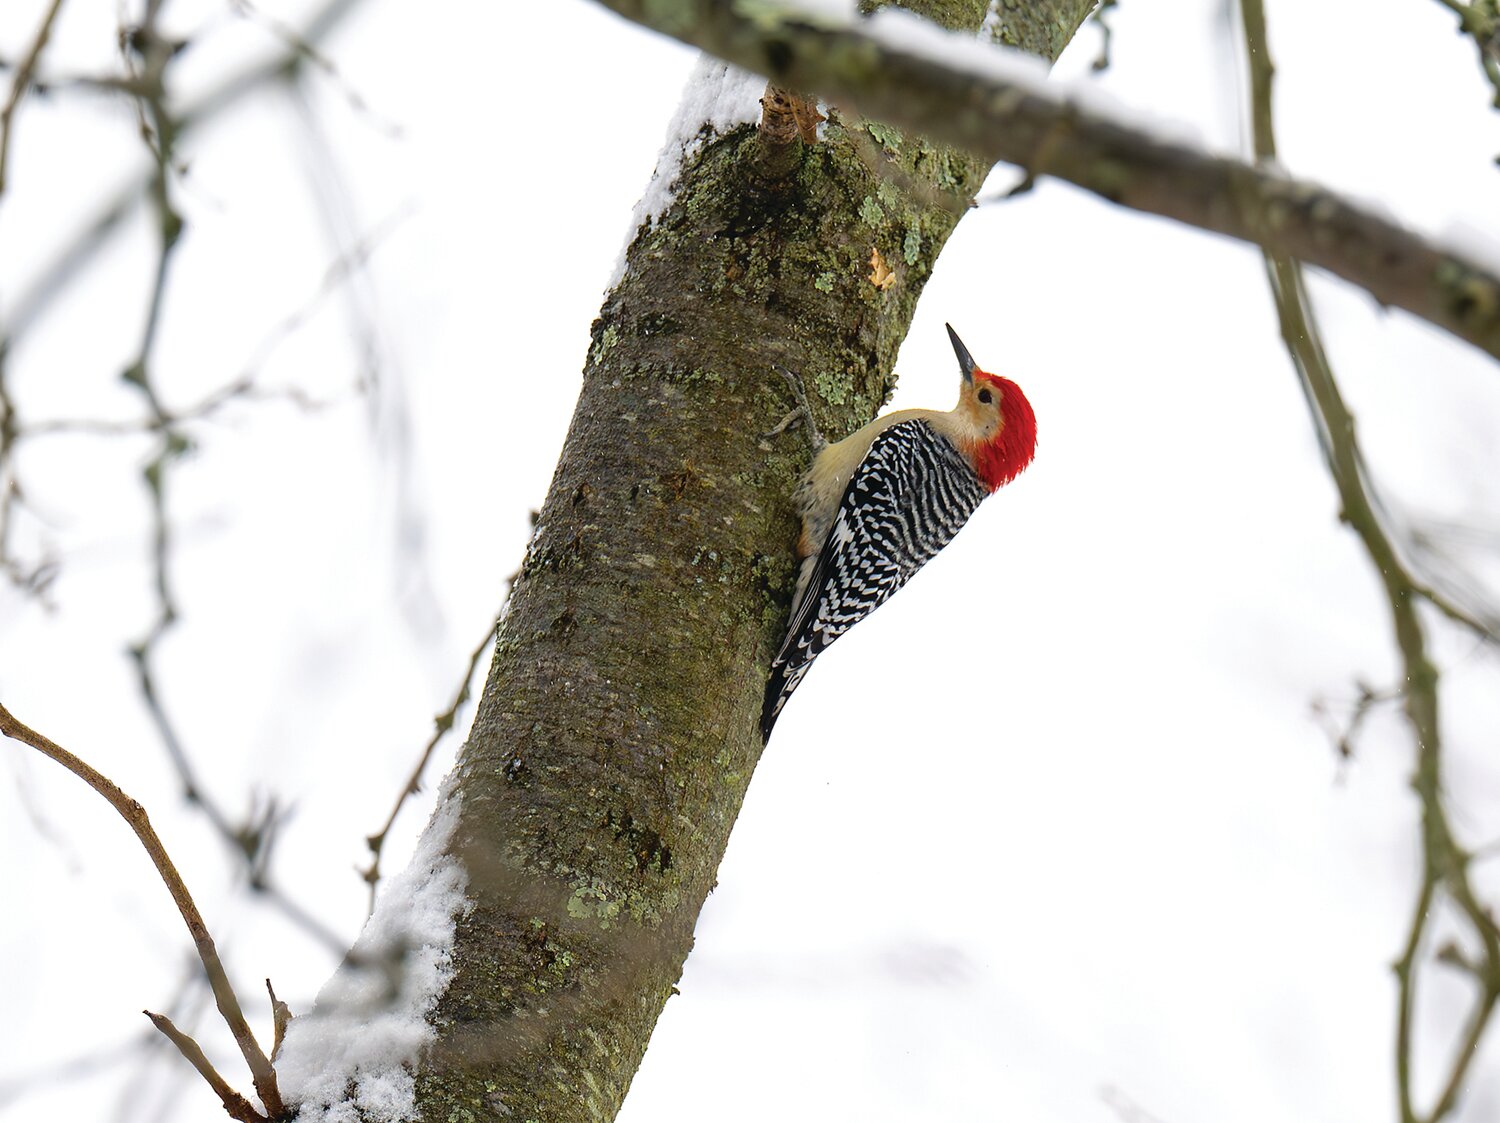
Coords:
pixel 965 360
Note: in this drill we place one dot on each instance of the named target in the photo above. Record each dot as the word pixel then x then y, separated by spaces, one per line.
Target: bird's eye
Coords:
pixel 985 397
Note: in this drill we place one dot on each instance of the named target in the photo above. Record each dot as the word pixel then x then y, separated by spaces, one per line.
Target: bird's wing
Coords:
pixel 905 501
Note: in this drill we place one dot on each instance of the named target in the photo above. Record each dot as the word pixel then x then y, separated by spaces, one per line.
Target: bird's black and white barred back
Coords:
pixel 909 496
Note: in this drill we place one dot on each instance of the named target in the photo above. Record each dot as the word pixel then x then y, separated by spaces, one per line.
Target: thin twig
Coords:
pixel 135 815
pixel 301 50
pixel 21 81
pixel 1106 33
pixel 1359 712
pixel 281 1017
pixel 160 130
pixel 339 276
pixel 93 236
pixel 1445 864
pixel 1406 996
pixel 235 1104
pixel 147 56
pixel 240 390
pixel 442 723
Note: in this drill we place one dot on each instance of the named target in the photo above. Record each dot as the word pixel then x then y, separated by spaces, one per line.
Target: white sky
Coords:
pixel 1058 820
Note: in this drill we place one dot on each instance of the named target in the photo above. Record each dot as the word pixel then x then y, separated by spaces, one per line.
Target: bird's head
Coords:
pixel 997 422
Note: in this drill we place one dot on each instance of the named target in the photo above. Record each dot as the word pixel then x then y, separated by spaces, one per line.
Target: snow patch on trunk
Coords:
pixel 991 22
pixel 717 98
pixel 350 1059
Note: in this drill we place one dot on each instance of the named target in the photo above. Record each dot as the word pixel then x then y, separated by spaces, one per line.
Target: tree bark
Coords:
pixel 619 725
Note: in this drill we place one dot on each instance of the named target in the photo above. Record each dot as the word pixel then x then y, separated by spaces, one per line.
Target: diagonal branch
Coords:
pixel 441 724
pixel 93 235
pixel 135 815
pixel 236 1105
pixel 955 89
pixel 1445 863
pixel 21 81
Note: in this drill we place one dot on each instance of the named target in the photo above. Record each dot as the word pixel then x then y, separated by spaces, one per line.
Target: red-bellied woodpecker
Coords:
pixel 877 505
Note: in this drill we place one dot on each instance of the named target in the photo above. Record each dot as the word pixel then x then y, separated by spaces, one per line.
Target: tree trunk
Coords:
pixel 619 725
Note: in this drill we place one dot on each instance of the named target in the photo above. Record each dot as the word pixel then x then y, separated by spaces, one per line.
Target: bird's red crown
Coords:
pixel 1005 455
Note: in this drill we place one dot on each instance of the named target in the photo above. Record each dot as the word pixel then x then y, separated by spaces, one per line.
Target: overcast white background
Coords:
pixel 1054 831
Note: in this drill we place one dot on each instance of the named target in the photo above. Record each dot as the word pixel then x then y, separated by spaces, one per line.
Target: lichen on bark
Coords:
pixel 618 727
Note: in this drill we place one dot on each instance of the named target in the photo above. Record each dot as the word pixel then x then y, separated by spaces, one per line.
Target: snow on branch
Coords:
pixel 997 104
pixel 352 1058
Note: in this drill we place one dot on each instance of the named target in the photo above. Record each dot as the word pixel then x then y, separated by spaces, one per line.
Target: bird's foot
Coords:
pixel 802 412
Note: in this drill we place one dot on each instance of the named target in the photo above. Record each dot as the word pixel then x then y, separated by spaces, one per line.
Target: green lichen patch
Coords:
pixel 887 137
pixel 911 247
pixel 593 901
pixel 831 388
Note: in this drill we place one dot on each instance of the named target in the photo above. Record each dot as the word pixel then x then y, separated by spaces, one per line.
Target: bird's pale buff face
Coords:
pixel 978 409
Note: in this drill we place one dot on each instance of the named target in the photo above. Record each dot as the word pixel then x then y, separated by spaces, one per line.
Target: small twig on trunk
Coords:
pixel 235 1104
pixel 135 815
pixel 281 1015
pixel 788 123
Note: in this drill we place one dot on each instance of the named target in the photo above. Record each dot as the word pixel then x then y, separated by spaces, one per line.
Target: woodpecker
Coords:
pixel 877 505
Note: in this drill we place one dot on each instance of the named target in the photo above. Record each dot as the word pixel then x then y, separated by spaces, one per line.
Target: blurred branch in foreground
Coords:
pixel 955 89
pixel 1480 21
pixel 1445 873
pixel 146 55
pixel 93 234
pixel 22 81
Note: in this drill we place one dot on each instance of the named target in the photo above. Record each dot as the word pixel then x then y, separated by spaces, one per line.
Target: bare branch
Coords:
pixel 235 1104
pixel 303 50
pixel 958 91
pixel 1445 863
pixel 1406 997
pixel 1106 34
pixel 135 815
pixel 21 81
pixel 442 723
pixel 1368 701
pixel 92 237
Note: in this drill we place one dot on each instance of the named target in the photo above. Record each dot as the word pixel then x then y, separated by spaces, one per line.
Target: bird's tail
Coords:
pixel 784 679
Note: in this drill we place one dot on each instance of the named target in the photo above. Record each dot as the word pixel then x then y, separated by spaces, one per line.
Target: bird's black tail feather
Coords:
pixel 784 679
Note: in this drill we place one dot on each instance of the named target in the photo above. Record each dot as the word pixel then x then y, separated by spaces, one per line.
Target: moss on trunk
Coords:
pixel 618 728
